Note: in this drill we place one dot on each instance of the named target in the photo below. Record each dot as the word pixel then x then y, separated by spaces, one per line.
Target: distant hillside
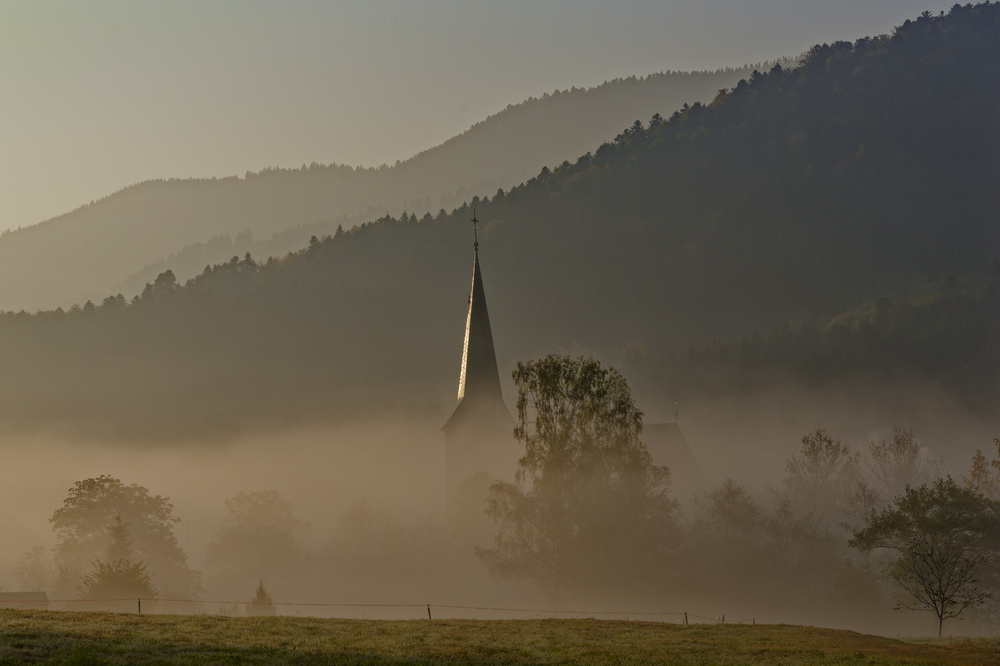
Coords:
pixel 869 171
pixel 95 248
pixel 950 339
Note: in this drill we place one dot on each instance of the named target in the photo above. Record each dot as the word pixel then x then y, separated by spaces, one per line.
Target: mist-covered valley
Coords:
pixel 801 272
pixel 357 514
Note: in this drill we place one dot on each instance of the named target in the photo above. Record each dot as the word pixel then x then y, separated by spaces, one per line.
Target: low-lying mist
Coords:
pixel 369 525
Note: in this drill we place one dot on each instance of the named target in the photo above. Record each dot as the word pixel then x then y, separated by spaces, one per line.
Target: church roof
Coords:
pixel 668 447
pixel 479 381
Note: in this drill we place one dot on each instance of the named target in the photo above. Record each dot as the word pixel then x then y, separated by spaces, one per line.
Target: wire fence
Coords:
pixel 682 617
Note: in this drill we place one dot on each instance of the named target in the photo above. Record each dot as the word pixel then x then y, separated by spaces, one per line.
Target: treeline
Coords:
pixel 116 543
pixel 849 536
pixel 824 546
pixel 85 253
pixel 501 151
pixel 588 521
pixel 243 346
pixel 950 339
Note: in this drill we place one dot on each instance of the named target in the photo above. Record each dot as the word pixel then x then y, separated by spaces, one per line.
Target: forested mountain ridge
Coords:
pixel 950 339
pixel 868 171
pixel 87 252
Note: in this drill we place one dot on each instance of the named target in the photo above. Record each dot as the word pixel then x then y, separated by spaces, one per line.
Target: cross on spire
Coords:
pixel 475 236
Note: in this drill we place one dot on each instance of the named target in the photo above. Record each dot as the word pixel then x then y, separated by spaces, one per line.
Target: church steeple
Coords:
pixel 479 380
pixel 478 437
pixel 479 360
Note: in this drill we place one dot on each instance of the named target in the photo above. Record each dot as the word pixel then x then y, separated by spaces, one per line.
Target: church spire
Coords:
pixel 479 361
pixel 478 434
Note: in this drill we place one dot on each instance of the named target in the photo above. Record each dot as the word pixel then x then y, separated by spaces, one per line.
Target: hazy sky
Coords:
pixel 98 95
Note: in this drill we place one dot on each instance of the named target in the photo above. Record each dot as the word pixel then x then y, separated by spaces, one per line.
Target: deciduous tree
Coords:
pixel 257 538
pixel 35 570
pixel 81 527
pixel 984 477
pixel 940 534
pixel 823 476
pixel 900 462
pixel 587 507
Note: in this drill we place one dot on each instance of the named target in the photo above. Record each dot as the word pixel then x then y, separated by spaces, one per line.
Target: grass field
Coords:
pixel 31 637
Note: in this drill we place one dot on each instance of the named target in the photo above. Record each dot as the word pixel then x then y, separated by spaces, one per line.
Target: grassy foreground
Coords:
pixel 29 637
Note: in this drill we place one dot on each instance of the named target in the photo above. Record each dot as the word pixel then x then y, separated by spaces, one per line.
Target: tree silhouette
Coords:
pixel 823 476
pixel 119 579
pixel 257 537
pixel 941 535
pixel 587 506
pixel 261 602
pixel 95 505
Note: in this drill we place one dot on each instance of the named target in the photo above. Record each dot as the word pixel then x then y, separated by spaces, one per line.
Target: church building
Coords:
pixel 479 434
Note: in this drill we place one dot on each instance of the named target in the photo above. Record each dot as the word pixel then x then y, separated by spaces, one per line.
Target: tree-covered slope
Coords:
pixel 949 340
pixel 86 252
pixel 868 171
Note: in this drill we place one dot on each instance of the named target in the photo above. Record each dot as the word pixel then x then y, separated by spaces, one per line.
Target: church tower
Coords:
pixel 479 434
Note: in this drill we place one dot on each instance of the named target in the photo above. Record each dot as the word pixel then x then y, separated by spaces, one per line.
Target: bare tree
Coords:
pixel 35 570
pixel 940 575
pixel 733 517
pixel 373 536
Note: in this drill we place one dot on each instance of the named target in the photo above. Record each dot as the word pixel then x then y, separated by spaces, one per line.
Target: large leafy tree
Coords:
pixel 81 527
pixel 587 507
pixel 940 536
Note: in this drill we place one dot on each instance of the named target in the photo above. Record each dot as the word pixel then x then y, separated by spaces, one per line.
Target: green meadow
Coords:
pixel 33 637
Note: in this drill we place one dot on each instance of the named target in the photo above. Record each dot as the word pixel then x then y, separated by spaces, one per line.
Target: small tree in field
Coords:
pixel 940 576
pixel 117 583
pixel 942 534
pixel 261 603
pixel 118 578
pixel 587 506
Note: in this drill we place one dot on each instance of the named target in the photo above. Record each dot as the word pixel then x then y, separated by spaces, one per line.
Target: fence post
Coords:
pixel 428 611
pixel 685 618
pixel 140 605
pixel 723 619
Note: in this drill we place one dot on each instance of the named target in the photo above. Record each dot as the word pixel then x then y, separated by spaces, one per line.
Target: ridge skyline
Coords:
pixel 110 94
